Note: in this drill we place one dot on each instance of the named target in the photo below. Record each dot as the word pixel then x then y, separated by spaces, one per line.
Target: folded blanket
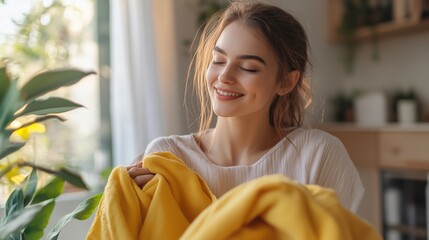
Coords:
pixel 178 204
pixel 274 207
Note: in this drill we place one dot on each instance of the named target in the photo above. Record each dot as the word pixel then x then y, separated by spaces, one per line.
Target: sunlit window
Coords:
pixel 47 34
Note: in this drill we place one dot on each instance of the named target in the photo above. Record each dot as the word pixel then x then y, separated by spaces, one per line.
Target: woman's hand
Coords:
pixel 139 174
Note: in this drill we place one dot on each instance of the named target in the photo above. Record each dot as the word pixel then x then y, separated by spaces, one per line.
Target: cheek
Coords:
pixel 259 82
pixel 263 86
pixel 211 75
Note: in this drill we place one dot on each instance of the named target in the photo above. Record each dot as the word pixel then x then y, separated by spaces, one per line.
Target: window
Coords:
pixel 46 34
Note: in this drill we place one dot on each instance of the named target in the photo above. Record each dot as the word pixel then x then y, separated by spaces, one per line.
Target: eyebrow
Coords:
pixel 251 57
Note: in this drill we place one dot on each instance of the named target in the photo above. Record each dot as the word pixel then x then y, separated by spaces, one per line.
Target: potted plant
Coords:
pixel 29 206
pixel 358 14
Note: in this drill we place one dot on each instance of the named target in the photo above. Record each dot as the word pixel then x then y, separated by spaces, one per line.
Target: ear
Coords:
pixel 288 82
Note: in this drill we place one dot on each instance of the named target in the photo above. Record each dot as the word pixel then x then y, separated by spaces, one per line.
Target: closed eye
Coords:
pixel 249 70
pixel 217 62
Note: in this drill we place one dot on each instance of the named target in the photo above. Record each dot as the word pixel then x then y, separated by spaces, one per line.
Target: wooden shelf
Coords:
pixel 394 27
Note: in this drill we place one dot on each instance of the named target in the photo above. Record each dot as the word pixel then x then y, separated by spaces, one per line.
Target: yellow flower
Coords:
pixel 25 132
pixel 14 176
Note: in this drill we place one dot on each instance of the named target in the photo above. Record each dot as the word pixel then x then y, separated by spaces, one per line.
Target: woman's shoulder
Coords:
pixel 172 139
pixel 171 143
pixel 308 135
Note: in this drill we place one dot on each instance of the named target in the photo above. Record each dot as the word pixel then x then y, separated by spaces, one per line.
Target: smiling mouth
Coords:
pixel 228 94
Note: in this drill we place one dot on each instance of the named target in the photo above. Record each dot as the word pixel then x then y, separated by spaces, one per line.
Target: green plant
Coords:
pixel 29 207
pixel 357 14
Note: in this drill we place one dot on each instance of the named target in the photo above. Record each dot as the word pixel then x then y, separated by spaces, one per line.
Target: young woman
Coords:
pixel 249 72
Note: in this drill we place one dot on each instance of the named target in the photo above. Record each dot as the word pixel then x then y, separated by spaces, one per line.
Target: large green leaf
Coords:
pixel 48 106
pixel 51 80
pixel 14 203
pixel 20 219
pixel 35 228
pixel 82 212
pixel 39 119
pixel 4 83
pixel 52 189
pixel 86 208
pixel 10 103
pixel 30 187
pixel 73 178
pixel 12 147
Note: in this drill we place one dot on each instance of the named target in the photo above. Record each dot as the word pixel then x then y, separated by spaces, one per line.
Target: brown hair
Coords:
pixel 289 42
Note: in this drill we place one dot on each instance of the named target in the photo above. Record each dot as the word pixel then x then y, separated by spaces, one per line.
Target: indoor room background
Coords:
pixel 143 50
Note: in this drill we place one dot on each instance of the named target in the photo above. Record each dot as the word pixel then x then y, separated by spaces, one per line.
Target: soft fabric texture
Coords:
pixel 307 156
pixel 163 209
pixel 270 207
pixel 273 207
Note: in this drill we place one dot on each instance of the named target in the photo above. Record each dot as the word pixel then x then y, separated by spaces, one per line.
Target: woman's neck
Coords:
pixel 233 143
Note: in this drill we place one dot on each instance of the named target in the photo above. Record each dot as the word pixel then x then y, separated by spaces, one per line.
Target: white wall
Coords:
pixel 186 12
pixel 403 64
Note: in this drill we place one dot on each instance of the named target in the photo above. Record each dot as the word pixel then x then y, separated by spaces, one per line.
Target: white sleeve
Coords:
pixel 337 171
pixel 156 145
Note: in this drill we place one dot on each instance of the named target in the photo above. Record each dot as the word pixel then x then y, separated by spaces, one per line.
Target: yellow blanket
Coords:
pixel 271 207
pixel 163 209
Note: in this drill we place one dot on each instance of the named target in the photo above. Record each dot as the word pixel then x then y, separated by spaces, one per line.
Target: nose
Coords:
pixel 227 75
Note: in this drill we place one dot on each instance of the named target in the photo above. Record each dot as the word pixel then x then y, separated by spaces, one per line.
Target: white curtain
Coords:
pixel 144 85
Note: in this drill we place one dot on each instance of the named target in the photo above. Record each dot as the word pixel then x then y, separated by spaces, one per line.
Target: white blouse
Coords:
pixel 307 156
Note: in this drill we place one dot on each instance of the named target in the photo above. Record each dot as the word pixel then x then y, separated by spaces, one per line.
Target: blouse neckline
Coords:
pixel 272 150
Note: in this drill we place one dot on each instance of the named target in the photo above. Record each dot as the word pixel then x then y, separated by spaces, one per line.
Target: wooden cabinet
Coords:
pixel 377 150
pixel 404 150
pixel 383 18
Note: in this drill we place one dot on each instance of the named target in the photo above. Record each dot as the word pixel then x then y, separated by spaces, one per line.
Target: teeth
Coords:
pixel 228 94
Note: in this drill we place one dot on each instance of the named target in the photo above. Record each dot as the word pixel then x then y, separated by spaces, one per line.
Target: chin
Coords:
pixel 223 114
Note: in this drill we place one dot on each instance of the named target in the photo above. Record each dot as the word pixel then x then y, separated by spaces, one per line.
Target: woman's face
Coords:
pixel 242 77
